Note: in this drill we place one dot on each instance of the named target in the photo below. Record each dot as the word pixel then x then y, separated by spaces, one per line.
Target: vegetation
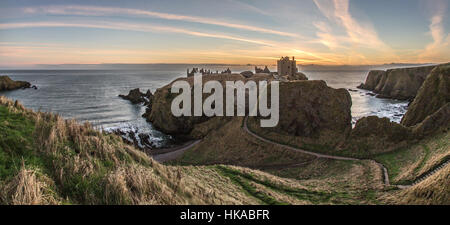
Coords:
pixel 45 159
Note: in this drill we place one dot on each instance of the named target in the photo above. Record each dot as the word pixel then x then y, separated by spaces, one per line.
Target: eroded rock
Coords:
pixel 135 96
pixel 433 94
pixel 7 84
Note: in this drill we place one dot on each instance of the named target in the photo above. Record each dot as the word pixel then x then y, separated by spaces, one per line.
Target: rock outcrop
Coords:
pixel 402 83
pixel 373 79
pixel 314 112
pixel 437 122
pixel 434 94
pixel 160 114
pixel 372 135
pixel 6 84
pixel 297 76
pixel 135 96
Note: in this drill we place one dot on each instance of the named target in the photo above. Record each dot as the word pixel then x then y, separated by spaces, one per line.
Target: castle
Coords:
pixel 286 66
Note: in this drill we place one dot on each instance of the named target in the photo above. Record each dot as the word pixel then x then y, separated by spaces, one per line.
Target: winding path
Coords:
pixel 167 154
pixel 318 155
pixel 164 155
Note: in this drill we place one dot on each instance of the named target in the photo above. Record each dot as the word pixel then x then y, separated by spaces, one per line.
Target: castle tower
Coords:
pixel 286 66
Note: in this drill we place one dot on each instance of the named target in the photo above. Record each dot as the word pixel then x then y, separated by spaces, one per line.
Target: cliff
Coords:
pixel 402 83
pixel 6 84
pixel 433 95
pixel 311 113
pixel 162 118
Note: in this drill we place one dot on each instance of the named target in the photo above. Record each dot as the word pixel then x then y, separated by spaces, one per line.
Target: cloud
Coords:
pixel 358 34
pixel 441 39
pixel 81 10
pixel 132 27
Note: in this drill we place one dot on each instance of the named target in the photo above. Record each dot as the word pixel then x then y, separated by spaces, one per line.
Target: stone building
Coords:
pixel 286 66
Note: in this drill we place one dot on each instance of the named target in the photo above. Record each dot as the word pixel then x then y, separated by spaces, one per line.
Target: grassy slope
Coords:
pixel 45 159
pixel 230 144
pixel 407 164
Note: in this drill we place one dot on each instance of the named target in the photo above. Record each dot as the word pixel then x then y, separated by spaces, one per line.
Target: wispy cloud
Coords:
pixel 358 34
pixel 82 10
pixel 132 27
pixel 441 38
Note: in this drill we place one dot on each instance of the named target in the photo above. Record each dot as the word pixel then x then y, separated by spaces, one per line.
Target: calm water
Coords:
pixel 92 95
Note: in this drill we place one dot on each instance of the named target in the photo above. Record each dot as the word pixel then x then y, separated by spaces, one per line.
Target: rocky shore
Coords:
pixel 6 84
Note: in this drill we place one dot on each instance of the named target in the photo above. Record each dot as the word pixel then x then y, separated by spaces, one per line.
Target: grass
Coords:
pixel 295 142
pixel 408 164
pixel 16 144
pixel 315 197
pixel 245 183
pixel 45 159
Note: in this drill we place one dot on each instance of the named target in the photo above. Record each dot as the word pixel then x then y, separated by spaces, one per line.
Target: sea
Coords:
pixel 92 94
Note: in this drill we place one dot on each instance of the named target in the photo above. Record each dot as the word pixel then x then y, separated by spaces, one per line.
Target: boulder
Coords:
pixel 135 96
pixel 434 93
pixel 6 84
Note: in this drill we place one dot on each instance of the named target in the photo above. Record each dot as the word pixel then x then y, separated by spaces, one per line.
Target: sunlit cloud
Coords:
pixel 131 27
pixel 108 11
pixel 441 38
pixel 359 34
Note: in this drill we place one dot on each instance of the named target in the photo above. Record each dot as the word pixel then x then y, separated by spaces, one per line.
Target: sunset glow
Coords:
pixel 235 32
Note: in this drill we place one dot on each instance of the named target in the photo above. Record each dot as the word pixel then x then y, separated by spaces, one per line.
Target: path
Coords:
pixel 164 155
pixel 383 168
pixel 167 154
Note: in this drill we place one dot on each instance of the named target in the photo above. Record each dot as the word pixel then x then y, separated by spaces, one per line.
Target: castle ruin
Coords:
pixel 286 66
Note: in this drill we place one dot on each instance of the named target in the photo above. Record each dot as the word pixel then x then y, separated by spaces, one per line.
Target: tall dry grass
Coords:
pixel 88 166
pixel 29 187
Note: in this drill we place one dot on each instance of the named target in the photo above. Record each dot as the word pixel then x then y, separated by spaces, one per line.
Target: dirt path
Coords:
pixel 164 155
pixel 167 154
pixel 318 155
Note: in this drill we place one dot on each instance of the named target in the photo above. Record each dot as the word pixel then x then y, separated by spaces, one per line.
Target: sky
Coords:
pixel 323 32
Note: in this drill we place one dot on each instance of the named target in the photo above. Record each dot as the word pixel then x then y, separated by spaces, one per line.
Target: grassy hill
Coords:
pixel 45 159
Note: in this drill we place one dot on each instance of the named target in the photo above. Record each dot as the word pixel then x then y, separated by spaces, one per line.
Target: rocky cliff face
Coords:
pixel 162 118
pixel 402 83
pixel 434 94
pixel 435 123
pixel 6 84
pixel 373 79
pixel 427 115
pixel 313 112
